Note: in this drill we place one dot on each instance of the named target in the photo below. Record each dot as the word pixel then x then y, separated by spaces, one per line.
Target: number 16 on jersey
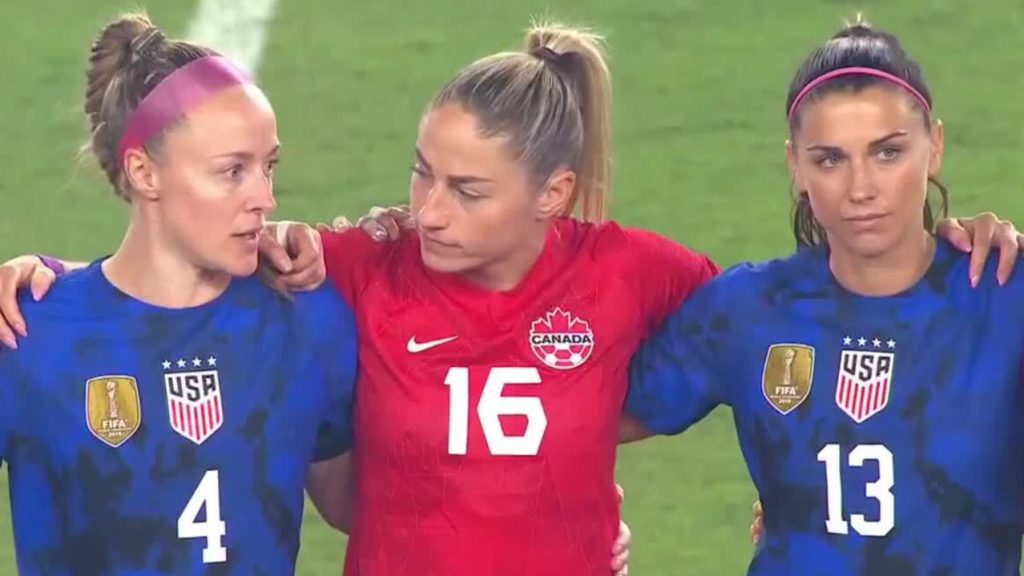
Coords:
pixel 491 407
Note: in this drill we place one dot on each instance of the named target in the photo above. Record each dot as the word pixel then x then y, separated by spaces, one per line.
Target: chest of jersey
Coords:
pixel 878 427
pixel 443 376
pixel 187 450
pixel 486 426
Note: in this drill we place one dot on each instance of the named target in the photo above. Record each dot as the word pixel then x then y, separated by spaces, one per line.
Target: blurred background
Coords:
pixel 699 130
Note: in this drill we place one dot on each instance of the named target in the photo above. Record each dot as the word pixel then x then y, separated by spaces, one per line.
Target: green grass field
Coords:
pixel 698 156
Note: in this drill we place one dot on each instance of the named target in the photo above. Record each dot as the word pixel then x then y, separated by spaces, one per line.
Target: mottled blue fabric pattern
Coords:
pixel 883 434
pixel 149 441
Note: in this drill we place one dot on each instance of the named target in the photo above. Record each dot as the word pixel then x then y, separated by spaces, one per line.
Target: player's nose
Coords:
pixel 260 196
pixel 862 182
pixel 433 213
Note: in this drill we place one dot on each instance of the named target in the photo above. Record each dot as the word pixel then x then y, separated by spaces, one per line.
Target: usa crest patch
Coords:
pixel 561 340
pixel 864 383
pixel 194 404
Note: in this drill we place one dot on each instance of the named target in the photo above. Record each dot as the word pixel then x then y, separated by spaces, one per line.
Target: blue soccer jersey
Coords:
pixel 883 434
pixel 149 441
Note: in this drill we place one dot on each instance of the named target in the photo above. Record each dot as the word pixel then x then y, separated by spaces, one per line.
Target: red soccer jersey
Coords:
pixel 486 422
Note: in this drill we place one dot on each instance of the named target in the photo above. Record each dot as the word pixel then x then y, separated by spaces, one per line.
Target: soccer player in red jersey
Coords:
pixel 494 343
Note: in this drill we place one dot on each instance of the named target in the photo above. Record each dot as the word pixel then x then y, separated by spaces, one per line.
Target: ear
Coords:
pixel 938 138
pixel 557 196
pixel 141 174
pixel 794 174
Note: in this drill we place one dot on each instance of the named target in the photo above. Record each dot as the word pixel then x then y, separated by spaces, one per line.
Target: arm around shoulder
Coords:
pixel 680 372
pixel 330 488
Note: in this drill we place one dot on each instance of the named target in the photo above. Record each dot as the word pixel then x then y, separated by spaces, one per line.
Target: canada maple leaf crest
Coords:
pixel 561 340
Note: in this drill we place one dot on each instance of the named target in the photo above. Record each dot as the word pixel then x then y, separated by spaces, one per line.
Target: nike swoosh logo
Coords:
pixel 413 346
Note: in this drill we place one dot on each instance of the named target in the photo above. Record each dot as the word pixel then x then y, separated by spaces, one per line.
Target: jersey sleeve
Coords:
pixel 6 397
pixel 338 365
pixel 679 374
pixel 665 274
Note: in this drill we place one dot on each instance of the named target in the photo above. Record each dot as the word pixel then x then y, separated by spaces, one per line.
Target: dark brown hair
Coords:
pixel 856 45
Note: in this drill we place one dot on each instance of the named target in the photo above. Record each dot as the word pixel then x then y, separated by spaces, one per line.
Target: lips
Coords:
pixel 253 233
pixel 250 240
pixel 437 243
pixel 865 219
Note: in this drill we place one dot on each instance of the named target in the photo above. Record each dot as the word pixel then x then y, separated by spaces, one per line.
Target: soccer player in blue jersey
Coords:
pixel 876 393
pixel 170 408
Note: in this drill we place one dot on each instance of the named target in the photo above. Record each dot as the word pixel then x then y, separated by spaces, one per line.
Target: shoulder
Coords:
pixel 77 295
pixel 610 242
pixel 354 246
pixel 314 319
pixel 322 305
pixel 336 243
pixel 324 315
pixel 951 275
pixel 354 259
pixel 748 282
pixel 315 307
pixel 803 266
pixel 74 308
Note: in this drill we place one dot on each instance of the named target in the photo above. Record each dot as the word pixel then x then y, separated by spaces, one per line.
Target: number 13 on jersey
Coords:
pixel 880 490
pixel 491 407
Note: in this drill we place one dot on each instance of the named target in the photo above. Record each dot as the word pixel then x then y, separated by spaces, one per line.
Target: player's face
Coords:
pixel 473 203
pixel 864 160
pixel 216 185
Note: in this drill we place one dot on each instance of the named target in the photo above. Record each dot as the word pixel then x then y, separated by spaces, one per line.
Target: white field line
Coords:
pixel 235 28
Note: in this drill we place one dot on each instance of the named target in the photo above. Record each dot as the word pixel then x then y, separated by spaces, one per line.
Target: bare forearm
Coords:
pixel 631 430
pixel 330 488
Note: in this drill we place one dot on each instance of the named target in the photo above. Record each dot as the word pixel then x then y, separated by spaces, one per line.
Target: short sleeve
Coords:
pixel 337 364
pixel 665 273
pixel 6 400
pixel 679 373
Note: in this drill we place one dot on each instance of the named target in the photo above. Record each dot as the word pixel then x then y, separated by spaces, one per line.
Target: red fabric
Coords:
pixel 552 510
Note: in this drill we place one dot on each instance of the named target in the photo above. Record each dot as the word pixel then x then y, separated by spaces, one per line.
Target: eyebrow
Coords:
pixel 454 179
pixel 872 144
pixel 246 155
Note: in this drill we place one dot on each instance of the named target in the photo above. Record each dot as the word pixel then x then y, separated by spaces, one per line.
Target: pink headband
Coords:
pixel 182 90
pixel 857 71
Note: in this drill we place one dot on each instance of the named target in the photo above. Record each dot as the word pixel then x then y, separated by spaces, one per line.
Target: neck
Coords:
pixel 146 269
pixel 887 274
pixel 506 274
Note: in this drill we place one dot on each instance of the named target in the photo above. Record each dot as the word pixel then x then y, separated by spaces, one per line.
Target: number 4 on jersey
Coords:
pixel 207 495
pixel 491 407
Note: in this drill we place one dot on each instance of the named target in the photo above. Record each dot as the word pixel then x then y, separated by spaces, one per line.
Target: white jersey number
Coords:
pixel 213 528
pixel 493 405
pixel 880 490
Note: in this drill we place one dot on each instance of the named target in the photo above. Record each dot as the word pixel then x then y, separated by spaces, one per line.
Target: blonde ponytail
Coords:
pixel 580 57
pixel 553 103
